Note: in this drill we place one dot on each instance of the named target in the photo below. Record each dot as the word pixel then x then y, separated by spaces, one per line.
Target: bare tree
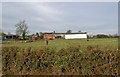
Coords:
pixel 21 29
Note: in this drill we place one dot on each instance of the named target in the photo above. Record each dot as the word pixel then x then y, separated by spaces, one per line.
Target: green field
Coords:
pixel 62 43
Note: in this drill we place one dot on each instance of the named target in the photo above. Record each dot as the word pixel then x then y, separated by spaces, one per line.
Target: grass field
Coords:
pixel 61 57
pixel 62 43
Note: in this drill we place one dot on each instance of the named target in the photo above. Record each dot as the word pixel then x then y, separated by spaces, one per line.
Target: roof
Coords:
pixel 67 33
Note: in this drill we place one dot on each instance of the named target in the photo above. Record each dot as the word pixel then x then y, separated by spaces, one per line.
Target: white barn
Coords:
pixel 75 36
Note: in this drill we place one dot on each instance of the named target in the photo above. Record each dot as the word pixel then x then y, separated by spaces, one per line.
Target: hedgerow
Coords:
pixel 42 60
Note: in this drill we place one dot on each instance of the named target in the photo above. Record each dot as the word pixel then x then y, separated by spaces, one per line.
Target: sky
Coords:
pixel 95 17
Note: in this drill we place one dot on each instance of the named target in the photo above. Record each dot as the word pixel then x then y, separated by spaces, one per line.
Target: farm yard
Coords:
pixel 98 56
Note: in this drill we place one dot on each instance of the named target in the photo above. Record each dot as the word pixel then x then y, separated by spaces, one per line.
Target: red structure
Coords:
pixel 48 36
pixel 34 38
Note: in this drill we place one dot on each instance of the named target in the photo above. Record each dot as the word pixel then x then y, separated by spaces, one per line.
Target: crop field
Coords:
pixel 61 57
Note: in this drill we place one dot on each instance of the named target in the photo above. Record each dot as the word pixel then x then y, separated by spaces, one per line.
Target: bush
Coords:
pixel 46 60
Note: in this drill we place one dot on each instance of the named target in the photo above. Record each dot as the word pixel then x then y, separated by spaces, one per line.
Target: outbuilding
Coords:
pixel 48 36
pixel 75 36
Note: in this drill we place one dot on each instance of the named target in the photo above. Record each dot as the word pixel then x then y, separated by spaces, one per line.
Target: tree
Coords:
pixel 37 34
pixel 102 36
pixel 53 31
pixel 21 29
pixel 2 34
pixel 69 31
pixel 79 31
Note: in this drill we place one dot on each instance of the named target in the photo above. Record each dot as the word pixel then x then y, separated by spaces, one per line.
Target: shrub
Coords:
pixel 70 60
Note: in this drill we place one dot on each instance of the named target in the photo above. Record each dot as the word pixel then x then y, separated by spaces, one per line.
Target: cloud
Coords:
pixel 61 16
pixel 59 0
pixel 36 14
pixel 0 16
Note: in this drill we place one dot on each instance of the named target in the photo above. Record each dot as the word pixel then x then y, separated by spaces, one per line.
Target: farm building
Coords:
pixel 75 36
pixel 1 37
pixel 9 37
pixel 71 35
pixel 59 35
pixel 34 38
pixel 64 35
pixel 48 36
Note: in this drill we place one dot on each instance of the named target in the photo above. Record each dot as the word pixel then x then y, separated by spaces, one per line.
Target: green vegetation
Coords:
pixel 61 57
pixel 62 43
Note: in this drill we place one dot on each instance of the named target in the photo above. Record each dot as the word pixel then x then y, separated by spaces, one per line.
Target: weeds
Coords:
pixel 46 60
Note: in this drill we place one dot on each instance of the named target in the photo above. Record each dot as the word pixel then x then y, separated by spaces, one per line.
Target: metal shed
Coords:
pixel 75 36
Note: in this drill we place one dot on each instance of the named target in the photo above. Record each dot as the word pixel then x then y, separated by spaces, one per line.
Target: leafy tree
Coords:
pixel 2 34
pixel 102 36
pixel 37 34
pixel 79 31
pixel 21 29
pixel 69 31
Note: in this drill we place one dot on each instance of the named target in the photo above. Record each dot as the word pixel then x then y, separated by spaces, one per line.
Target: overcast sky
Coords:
pixel 95 17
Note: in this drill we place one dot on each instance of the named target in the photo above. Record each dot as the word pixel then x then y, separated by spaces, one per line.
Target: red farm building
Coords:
pixel 48 36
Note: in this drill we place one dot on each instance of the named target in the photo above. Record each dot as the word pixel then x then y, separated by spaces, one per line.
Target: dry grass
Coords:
pixel 42 60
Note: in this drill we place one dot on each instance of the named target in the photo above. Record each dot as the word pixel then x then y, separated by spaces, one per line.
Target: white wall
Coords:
pixel 75 36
